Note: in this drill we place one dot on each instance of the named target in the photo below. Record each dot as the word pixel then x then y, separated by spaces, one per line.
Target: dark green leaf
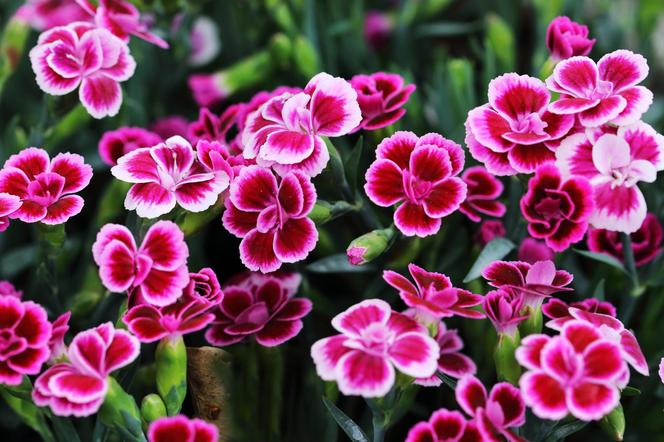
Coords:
pixel 495 250
pixel 353 166
pixel 336 264
pixel 447 380
pixel 64 429
pixel 446 29
pixel 601 257
pixel 598 293
pixel 352 430
pixel 630 391
pixel 560 432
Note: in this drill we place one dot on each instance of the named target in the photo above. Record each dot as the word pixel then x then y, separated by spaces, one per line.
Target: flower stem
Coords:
pixel 378 430
pixel 629 302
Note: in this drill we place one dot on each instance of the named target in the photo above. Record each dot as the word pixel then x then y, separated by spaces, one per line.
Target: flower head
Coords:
pixel 444 426
pixel 566 38
pixel 45 186
pixel 483 191
pixel 450 359
pixel 169 126
pixel 119 142
pixel 181 429
pixel 377 29
pixel 56 344
pixel 204 41
pixel 505 310
pixel 419 174
pixel 208 90
pixel 531 251
pixel 373 342
pixel 381 97
pixel 8 289
pixel 47 14
pixel 489 229
pixel 558 311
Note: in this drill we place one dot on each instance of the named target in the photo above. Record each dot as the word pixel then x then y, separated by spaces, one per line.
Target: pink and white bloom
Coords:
pixel 576 372
pixel 484 190
pixel 514 132
pixel 505 309
pixel 47 14
pixel 167 175
pixel 204 41
pixel 80 54
pixel 381 97
pixel 119 142
pixel 605 92
pixel 56 344
pixel 419 174
pixel 78 387
pixel 450 359
pixel 156 271
pixel 208 90
pixel 558 311
pixel 24 336
pixel 373 342
pixel 286 132
pixel 46 187
pixel 259 305
pixel 8 289
pixel 8 204
pixel 444 426
pixel 531 251
pixel 181 429
pixel 614 164
pixel 270 215
pixel 433 297
pixel 566 38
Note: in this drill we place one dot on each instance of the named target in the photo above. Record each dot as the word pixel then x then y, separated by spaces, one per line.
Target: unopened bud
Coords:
pixel 369 246
pixel 171 363
pixel 152 408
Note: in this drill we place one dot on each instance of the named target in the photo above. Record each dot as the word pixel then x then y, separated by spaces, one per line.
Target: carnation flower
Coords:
pixel 444 426
pixel 169 126
pixel 47 14
pixel 45 187
pixel 8 289
pixel 119 142
pixel 204 41
pixel 483 191
pixel 531 251
pixel 381 97
pixel 208 90
pixel 450 359
pixel 8 204
pixel 566 38
pixel 489 230
pixel 419 174
pixel 181 429
pixel 377 29
pixel 56 344
pixel 558 311
pixel 505 310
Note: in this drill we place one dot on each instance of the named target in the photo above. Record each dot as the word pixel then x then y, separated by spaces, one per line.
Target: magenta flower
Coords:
pixel 122 19
pixel 286 132
pixel 24 336
pixel 165 175
pixel 433 297
pixel 531 251
pixel 661 370
pixel 156 271
pixel 8 204
pixel 505 310
pixel 78 387
pixel 377 29
pixel 8 289
pixel 181 429
pixel 207 127
pixel 46 187
pixel 557 209
pixel 614 164
pixel 119 142
pixel 47 14
pixel 169 126
pixel 489 229
pixel 445 426
pixel 450 359
pixel 373 341
pixel 646 241
pixel 270 216
pixel 483 191
pixel 262 306
pixel 56 344
pixel 558 311
pixel 535 281
pixel 208 90
pixel 495 413
pixel 419 174
pixel 79 54
pixel 204 41
pixel 381 97
pixel 605 92
pixel 576 372
pixel 566 38
pixel 514 132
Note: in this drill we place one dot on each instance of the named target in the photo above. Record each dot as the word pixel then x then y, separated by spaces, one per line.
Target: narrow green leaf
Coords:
pixel 352 430
pixel 495 250
pixel 353 166
pixel 447 380
pixel 336 264
pixel 601 257
pixel 447 29
pixel 598 293
pixel 64 429
pixel 560 432
pixel 630 391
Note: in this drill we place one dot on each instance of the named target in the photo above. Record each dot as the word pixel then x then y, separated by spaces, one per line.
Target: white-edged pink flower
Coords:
pixel 270 215
pixel 181 429
pixel 286 132
pixel 204 41
pixel 80 54
pixel 614 163
pixel 78 387
pixel 156 272
pixel 605 92
pixel 8 204
pixel 373 342
pixel 514 133
pixel 577 372
pixel 167 175
pixel 46 187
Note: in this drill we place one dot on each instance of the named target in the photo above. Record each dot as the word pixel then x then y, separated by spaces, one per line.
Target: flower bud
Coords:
pixel 121 412
pixel 613 423
pixel 507 367
pixel 369 246
pixel 324 211
pixel 171 363
pixel 152 408
pixel 565 39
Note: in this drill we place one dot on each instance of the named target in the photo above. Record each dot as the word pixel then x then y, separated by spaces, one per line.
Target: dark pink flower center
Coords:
pixel 377 339
pixel 570 365
pixel 256 314
pixel 46 188
pixel 603 89
pixel 549 208
pixel 531 123
pixel 416 189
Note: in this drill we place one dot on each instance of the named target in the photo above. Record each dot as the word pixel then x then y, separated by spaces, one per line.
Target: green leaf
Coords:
pixel 64 429
pixel 446 29
pixel 352 430
pixel 447 380
pixel 598 293
pixel 630 391
pixel 336 264
pixel 353 166
pixel 495 250
pixel 603 258
pixel 560 432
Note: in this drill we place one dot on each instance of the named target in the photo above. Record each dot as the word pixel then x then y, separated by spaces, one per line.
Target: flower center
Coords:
pixel 531 123
pixel 377 339
pixel 549 208
pixel 415 188
pixel 603 89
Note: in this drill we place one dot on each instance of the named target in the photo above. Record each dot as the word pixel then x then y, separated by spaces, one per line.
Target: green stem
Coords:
pixel 378 430
pixel 629 301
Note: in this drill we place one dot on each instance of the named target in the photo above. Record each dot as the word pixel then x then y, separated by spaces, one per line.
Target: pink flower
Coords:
pixel 535 281
pixel 46 187
pixel 122 19
pixel 204 41
pixel 47 14
pixel 505 309
pixel 169 126
pixel 189 313
pixel 661 370
pixel 450 359
pixel 489 230
pixel 78 387
pixel 495 413
pixel 419 174
pixel 157 270
pixel 56 344
pixel 576 372
pixel 24 336
pixel 373 341
pixel 377 29
pixel 531 251
pixel 601 93
pixel 614 164
pixel 208 90
pixel 8 289
pixel 262 306
pixel 566 38
pixel 646 241
pixel 286 132
pixel 558 311
pixel 165 175
pixel 557 209
pixel 119 142
pixel 181 429
pixel 514 132
pixel 79 54
pixel 381 97
pixel 444 426
pixel 483 191
pixel 8 204
pixel 433 297
pixel 270 216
